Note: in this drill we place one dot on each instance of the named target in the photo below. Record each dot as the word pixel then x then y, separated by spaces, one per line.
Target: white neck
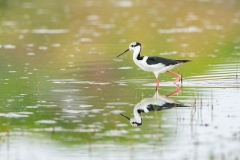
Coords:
pixel 137 116
pixel 136 52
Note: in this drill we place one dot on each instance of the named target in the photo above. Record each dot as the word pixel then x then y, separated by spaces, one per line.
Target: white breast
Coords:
pixel 149 68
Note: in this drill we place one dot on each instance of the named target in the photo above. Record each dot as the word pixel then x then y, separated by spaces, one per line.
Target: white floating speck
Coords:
pixel 116 111
pixel 125 3
pixel 67 100
pixel 71 55
pixel 23 94
pixel 74 111
pixel 168 53
pixel 50 31
pixel 12 115
pixel 166 126
pixel 118 60
pixel 93 17
pixel 12 71
pixel 85 106
pixel 24 31
pixel 46 122
pixel 8 46
pixel 56 45
pixel 26 113
pixel 116 132
pixel 121 125
pixel 30 54
pixel 20 36
pixel 96 110
pixel 190 29
pixel 31 107
pixel 41 101
pixel 86 40
pixel 117 103
pixel 107 26
pixel 42 47
pixel 8 23
pixel 10 100
pixel 125 68
pixel 65 90
pixel 30 45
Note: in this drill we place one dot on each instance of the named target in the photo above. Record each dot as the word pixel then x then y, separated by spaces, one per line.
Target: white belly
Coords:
pixel 155 68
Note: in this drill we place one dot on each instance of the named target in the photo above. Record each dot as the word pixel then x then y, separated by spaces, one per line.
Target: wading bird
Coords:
pixel 156 65
pixel 155 103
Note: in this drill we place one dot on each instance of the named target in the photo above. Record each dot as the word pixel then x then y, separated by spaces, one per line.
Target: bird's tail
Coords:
pixel 183 61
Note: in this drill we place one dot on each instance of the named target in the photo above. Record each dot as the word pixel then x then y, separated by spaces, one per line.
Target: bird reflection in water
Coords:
pixel 155 103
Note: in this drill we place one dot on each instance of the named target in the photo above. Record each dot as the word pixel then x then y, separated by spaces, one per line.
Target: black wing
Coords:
pixel 154 107
pixel 164 61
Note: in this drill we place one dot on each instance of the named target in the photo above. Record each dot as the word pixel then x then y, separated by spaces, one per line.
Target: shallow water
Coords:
pixel 63 88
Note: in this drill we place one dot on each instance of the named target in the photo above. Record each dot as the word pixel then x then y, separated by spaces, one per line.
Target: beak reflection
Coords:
pixel 125 116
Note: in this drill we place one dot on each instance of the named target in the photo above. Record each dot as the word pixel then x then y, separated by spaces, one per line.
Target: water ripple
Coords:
pixel 50 31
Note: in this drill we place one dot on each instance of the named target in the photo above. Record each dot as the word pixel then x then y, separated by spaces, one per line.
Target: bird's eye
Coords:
pixel 132 45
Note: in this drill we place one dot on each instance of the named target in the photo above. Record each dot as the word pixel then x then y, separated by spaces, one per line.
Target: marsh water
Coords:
pixel 63 90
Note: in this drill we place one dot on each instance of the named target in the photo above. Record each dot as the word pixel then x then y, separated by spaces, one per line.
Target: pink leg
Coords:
pixel 157 83
pixel 175 92
pixel 175 74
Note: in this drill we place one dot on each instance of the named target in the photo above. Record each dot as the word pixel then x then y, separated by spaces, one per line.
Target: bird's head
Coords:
pixel 132 46
pixel 132 121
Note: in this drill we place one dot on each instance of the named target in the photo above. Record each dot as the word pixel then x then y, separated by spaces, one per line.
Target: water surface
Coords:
pixel 63 88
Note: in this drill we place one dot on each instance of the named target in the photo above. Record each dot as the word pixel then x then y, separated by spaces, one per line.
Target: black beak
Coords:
pixel 123 52
pixel 125 116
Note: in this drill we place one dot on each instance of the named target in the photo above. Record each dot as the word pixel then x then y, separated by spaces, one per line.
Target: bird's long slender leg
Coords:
pixel 179 89
pixel 157 83
pixel 181 76
pixel 178 75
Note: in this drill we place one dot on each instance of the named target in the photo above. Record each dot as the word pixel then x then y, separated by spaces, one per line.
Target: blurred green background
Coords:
pixel 61 81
